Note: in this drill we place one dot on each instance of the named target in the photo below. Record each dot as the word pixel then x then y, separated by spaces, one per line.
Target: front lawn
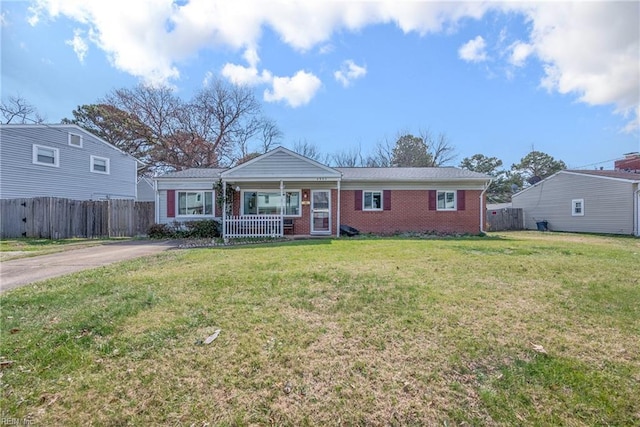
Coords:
pixel 516 329
pixel 28 247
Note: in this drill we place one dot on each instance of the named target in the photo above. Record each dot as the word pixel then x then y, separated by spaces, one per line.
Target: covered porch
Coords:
pixel 280 193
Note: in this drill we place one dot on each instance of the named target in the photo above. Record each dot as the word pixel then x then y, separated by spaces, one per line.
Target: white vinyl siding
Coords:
pixel 70 176
pixel 47 156
pixel 609 203
pixel 100 165
pixel 577 207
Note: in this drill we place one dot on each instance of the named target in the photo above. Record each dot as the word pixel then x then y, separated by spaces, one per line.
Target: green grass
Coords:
pixel 336 332
pixel 28 247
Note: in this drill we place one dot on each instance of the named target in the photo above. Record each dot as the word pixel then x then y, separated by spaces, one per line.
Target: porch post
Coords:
pixel 224 210
pixel 281 208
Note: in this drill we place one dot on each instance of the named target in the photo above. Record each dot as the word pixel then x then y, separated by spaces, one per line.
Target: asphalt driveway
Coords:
pixel 19 272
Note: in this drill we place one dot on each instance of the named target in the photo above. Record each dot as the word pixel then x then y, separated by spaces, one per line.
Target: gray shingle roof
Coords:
pixel 610 174
pixel 409 174
pixel 361 174
pixel 195 173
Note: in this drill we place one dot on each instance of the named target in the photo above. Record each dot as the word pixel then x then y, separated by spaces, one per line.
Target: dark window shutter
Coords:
pixel 171 203
pixel 460 200
pixel 386 200
pixel 432 200
pixel 358 199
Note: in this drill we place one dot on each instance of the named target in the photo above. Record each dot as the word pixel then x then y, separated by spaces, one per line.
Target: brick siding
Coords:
pixel 410 212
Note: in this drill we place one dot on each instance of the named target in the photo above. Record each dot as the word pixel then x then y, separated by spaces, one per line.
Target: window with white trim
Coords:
pixel 47 156
pixel 446 201
pixel 99 165
pixel 372 200
pixel 195 203
pixel 577 207
pixel 75 140
pixel 269 203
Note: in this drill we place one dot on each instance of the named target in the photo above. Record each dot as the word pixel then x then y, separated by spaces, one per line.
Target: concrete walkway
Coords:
pixel 19 272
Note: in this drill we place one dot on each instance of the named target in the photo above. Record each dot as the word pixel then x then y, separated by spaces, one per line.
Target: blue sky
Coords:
pixel 496 78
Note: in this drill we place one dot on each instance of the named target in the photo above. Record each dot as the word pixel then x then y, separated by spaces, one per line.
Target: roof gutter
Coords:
pixel 483 209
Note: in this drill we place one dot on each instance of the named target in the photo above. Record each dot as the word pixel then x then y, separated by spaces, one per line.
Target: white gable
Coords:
pixel 281 163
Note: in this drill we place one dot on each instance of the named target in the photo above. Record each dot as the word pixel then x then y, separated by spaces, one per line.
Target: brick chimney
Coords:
pixel 630 163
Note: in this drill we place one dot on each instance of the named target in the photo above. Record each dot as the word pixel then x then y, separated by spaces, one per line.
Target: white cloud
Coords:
pixel 348 72
pixel 519 53
pixel 295 91
pixel 241 75
pixel 588 49
pixel 474 50
pixel 79 45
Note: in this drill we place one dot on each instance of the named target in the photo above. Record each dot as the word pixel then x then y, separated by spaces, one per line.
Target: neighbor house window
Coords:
pixel 75 140
pixel 195 203
pixel 446 201
pixel 372 200
pixel 577 207
pixel 269 203
pixel 45 155
pixel 99 164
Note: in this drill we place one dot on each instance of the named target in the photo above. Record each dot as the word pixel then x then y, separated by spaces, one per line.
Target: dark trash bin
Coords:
pixel 348 231
pixel 543 225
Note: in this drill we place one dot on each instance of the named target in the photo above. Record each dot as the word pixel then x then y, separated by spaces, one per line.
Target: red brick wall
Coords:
pixel 410 212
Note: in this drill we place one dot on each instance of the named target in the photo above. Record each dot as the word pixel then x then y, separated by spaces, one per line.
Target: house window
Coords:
pixel 372 200
pixel 45 156
pixel 446 201
pixel 99 165
pixel 577 207
pixel 75 140
pixel 269 203
pixel 192 203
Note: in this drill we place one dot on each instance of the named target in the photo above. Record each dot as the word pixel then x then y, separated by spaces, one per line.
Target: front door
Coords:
pixel 321 212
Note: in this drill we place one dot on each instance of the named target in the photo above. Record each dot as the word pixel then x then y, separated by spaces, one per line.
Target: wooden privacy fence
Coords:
pixel 505 219
pixel 54 218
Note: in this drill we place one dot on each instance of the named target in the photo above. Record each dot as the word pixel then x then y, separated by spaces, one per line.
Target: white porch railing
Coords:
pixel 253 226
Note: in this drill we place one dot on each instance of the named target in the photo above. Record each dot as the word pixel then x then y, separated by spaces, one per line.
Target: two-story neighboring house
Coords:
pixel 65 161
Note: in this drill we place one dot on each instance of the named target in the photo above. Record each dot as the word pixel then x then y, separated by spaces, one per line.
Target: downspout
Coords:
pixel 157 206
pixel 338 213
pixel 482 209
pixel 636 216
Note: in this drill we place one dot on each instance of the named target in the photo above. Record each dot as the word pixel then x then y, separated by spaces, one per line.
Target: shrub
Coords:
pixel 203 229
pixel 160 231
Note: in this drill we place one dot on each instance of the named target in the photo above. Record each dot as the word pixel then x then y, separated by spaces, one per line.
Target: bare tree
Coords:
pixel 226 116
pixel 270 135
pixel 381 156
pixel 308 150
pixel 350 158
pixel 18 110
pixel 439 148
pixel 218 126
